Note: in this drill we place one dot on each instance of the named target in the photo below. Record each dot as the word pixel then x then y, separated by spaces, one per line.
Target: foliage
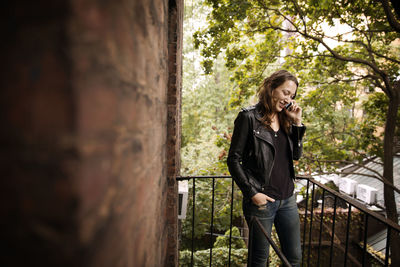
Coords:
pixel 203 208
pixel 375 107
pixel 346 57
pixel 206 117
pixel 237 241
pixel 201 258
pixel 206 123
pixel 221 252
pixel 340 52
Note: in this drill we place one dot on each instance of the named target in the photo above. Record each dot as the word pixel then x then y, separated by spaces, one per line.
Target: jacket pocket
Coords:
pixel 253 181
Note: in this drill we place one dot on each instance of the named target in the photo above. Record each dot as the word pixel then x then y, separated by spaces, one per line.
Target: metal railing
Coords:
pixel 351 203
pixel 309 221
pixel 194 178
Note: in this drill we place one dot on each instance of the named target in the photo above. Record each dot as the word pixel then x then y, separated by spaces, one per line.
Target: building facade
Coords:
pixel 90 106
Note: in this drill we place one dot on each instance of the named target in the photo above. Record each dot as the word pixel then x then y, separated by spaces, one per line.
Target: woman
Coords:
pixel 266 139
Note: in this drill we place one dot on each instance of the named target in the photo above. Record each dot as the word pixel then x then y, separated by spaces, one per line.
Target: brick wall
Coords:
pixel 90 106
pixel 173 129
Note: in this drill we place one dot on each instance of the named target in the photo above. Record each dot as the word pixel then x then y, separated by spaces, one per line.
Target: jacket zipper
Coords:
pixel 273 160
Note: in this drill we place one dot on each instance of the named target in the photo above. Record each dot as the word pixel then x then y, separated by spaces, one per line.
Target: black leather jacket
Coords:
pixel 251 155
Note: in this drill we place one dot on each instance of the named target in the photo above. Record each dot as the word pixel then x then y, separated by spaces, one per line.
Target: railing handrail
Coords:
pixel 182 178
pixel 353 202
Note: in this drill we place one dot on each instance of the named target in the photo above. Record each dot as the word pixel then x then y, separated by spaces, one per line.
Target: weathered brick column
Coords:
pixel 89 105
pixel 175 37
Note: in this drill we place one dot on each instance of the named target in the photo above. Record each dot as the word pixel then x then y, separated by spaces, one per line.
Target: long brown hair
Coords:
pixel 265 96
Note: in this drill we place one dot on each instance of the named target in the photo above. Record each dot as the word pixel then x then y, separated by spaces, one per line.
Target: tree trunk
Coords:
pixel 388 153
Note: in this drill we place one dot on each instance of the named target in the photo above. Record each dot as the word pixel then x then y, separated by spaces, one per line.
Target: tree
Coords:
pixel 335 64
pixel 205 120
pixel 205 116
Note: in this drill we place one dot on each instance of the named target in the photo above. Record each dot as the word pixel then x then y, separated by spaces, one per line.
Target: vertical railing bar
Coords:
pixel 212 220
pixel 230 226
pixel 347 235
pixel 333 230
pixel 320 226
pixel 193 212
pixel 311 220
pixel 305 221
pixel 365 239
pixel 387 255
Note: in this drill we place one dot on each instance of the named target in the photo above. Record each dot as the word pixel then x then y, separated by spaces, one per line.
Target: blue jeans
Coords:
pixel 285 216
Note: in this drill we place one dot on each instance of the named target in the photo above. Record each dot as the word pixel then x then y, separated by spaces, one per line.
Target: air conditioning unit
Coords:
pixel 331 177
pixel 335 178
pixel 366 193
pixel 183 190
pixel 347 186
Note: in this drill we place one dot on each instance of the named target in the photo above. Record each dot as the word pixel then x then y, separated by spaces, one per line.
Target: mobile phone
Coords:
pixel 287 107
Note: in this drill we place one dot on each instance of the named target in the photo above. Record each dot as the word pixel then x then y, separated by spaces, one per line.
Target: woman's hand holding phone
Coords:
pixel 294 111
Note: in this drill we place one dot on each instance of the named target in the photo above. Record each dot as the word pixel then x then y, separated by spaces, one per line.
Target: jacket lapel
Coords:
pixel 259 129
pixel 262 133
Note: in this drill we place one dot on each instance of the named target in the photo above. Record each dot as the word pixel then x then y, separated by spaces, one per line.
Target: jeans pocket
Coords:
pixel 262 207
pixel 251 209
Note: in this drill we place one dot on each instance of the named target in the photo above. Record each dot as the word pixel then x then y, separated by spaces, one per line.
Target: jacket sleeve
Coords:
pixel 297 138
pixel 240 136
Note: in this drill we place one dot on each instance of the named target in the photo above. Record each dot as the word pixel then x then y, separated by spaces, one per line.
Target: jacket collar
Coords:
pixel 259 128
pixel 261 131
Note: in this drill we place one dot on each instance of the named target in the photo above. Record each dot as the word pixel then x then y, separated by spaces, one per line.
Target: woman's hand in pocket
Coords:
pixel 261 199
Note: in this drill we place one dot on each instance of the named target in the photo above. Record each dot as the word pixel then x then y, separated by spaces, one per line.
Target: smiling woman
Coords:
pixel 276 92
pixel 266 139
